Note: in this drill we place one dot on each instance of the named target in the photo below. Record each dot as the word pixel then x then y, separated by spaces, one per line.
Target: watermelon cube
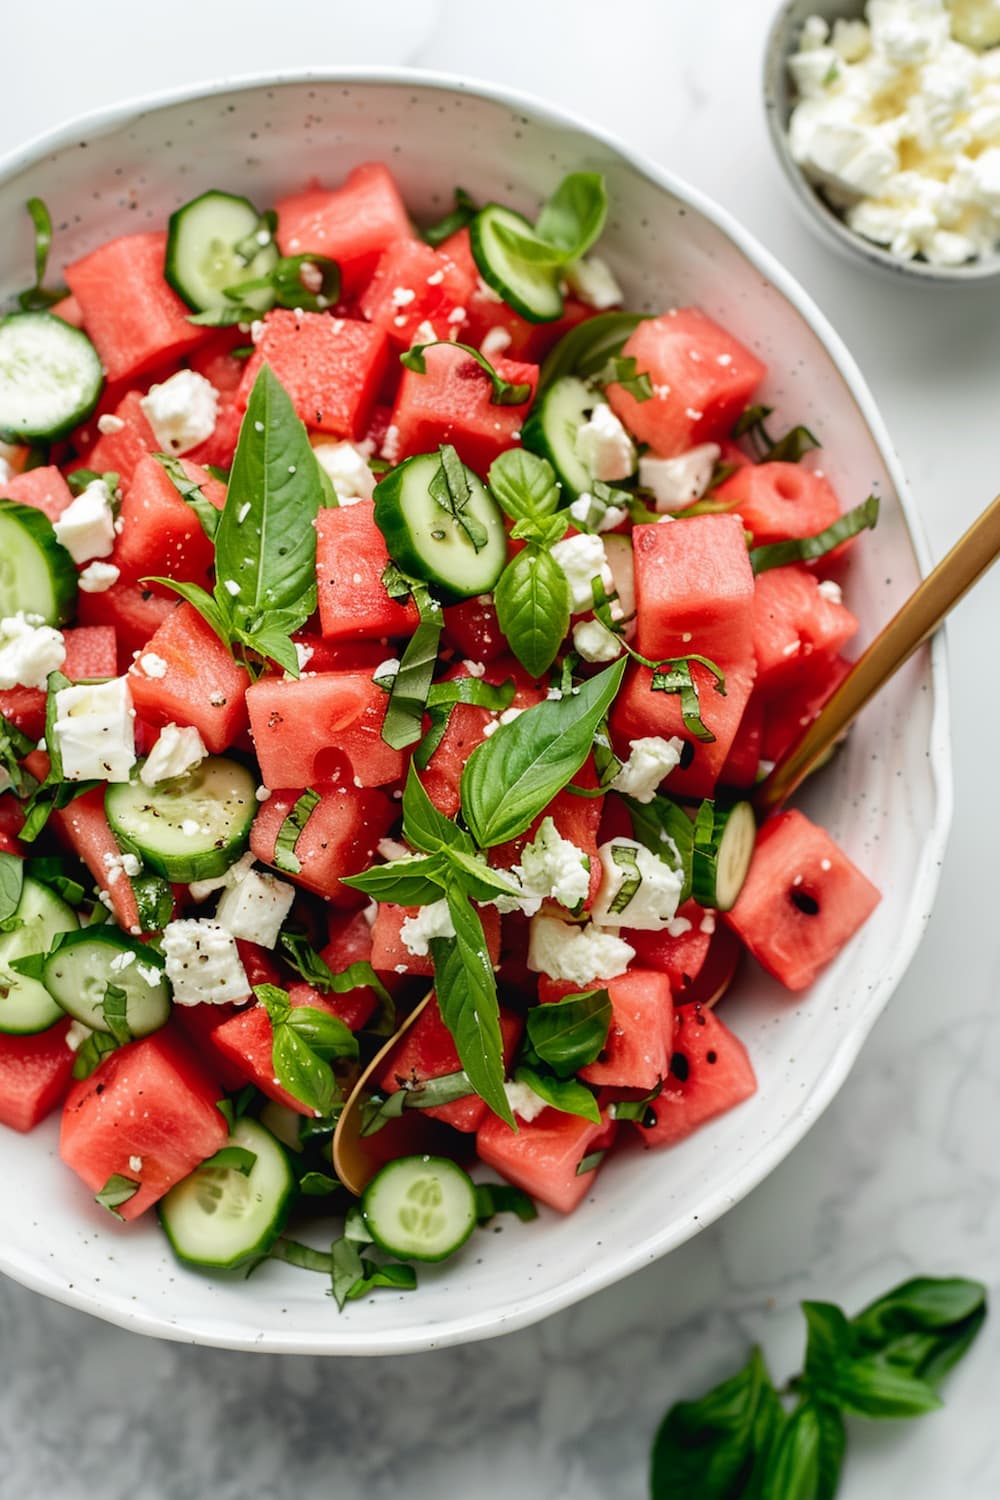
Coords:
pixel 161 533
pixel 132 610
pixel 244 1041
pixel 452 403
pixel 779 500
pixel 351 557
pixel 792 619
pixel 339 838
pixel 119 452
pixel 390 954
pixel 637 1052
pixel 787 714
pixel 710 1073
pixel 43 488
pixel 678 951
pixel 427 1050
pixel 694 589
pixel 542 1156
pixel 331 367
pixel 35 1072
pixel 324 727
pixel 417 295
pixel 352 224
pixel 200 685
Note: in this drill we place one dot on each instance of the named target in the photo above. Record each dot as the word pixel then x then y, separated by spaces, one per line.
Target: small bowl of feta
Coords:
pixel 885 115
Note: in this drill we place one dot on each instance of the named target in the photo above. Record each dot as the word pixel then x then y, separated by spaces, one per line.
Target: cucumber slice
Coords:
pixel 25 1004
pixel 721 852
pixel 428 542
pixel 191 828
pixel 420 1207
pixel 553 425
pixel 531 290
pixel 586 349
pixel 50 376
pixel 37 574
pixel 220 1217
pixel 86 962
pixel 202 258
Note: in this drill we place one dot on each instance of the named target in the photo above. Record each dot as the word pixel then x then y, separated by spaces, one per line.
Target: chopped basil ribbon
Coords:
pixel 428 1093
pixel 11 880
pixel 36 298
pixel 79 479
pixel 626 859
pixel 622 370
pixel 14 745
pixel 291 830
pixel 92 1052
pixel 411 683
pixel 317 1184
pixel 863 517
pixel 449 488
pixel 155 902
pixel 303 958
pixel 444 697
pixel 566 1094
pixel 787 449
pixel 262 235
pixel 504 393
pixel 190 492
pixel 114 1009
pixel 352 1276
pixel 310 283
pixel 590 1161
pixel 494 1198
pixel 464 212
pixel 305 1040
pixel 232 1159
pixel 638 1109
pixel 568 1034
pixel 116 1191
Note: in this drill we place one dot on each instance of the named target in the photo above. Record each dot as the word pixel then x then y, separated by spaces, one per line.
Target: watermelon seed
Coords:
pixel 806 904
pixel 680 1067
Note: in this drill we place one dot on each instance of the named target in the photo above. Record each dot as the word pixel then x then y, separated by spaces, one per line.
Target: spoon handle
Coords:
pixel 910 626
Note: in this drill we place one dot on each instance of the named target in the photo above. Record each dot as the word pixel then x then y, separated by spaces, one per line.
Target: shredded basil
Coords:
pixel 191 492
pixel 463 213
pixel 504 392
pixel 589 1162
pixel 291 830
pixel 863 517
pixel 116 1191
pixel 627 860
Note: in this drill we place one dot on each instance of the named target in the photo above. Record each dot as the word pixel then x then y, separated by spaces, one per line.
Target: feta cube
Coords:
pixel 676 482
pixel 182 411
pixel 94 730
pixel 431 921
pixel 255 908
pixel 203 963
pixel 593 281
pixel 554 868
pixel 97 577
pixel 524 1102
pixel 178 750
pixel 578 954
pixel 86 527
pixel 583 558
pixel 347 470
pixel 595 642
pixel 29 651
pixel 654 902
pixel 200 890
pixel 604 447
pixel 650 760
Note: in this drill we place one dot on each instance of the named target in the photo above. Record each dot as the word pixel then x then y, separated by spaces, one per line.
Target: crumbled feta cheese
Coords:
pixel 97 577
pixel 181 411
pixel 593 515
pixel 583 558
pixel 86 527
pixel 108 423
pixel 554 868
pixel 495 341
pixel 153 665
pixel 203 963
pixel 255 908
pixel 650 760
pixel 348 471
pixel 524 1102
pixel 94 730
pixel 77 1034
pixel 390 443
pixel 655 901
pixel 135 1163
pixel 29 651
pixel 431 921
pixel 593 281
pixel 579 954
pixel 390 849
pixel 595 642
pixel 604 447
pixel 263 793
pixel 402 296
pixel 831 590
pixel 676 482
pixel 178 750
pixel 200 890
pixel 474 668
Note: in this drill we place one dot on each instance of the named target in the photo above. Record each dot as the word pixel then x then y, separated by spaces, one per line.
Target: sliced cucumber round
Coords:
pixel 430 542
pixel 552 427
pixel 26 1005
pixel 50 376
pixel 220 1217
pixel 37 574
pixel 207 250
pixel 86 963
pixel 530 288
pixel 420 1207
pixel 723 846
pixel 191 828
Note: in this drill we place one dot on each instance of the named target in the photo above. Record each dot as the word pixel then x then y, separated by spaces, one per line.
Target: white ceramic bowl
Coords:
pixel 886 798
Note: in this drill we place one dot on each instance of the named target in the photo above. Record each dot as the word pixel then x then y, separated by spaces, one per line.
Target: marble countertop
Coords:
pixel 901 1175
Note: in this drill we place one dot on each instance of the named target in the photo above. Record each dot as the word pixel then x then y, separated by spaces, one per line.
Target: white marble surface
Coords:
pixel 901 1175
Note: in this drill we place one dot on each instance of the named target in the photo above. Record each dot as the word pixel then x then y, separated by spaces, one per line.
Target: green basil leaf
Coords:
pixel 873 1387
pixel 789 449
pixel 828 1345
pixel 863 517
pixel 449 487
pixel 114 1009
pixel 404 713
pixel 232 1159
pixel 405 882
pixel 570 1033
pixel 467 999
pixel 92 1052
pixel 638 1109
pixel 925 1324
pixel 310 282
pixel 317 1185
pixel 273 644
pixel 14 745
pixel 191 493
pixel 626 858
pixel 524 485
pixel 300 1072
pixel 494 1198
pixel 303 958
pixel 566 1094
pixel 463 213
pixel 36 298
pixel 573 217
pixel 291 830
pixel 479 880
pixel 224 316
pixel 429 1093
pixel 751 421
pixel 395 1275
pixel 79 479
pixel 504 392
pixel 667 831
pixel 807 1458
pixel 622 370
pixel 709 1448
pixel 50 870
pixel 532 604
pixel 11 880
pixel 589 1162
pixel 425 828
pixel 327 1036
pixel 585 349
pixel 514 774
pixel 116 1191
pixel 212 611
pixel 305 1257
pixel 346 1269
pixel 155 902
pixel 442 699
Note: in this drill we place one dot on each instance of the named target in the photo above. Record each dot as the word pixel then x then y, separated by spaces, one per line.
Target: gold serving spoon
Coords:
pixel 971 556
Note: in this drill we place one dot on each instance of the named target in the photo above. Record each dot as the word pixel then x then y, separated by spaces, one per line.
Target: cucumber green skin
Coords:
pixel 22 525
pixel 174 1208
pixel 178 227
pixel 406 488
pixel 193 864
pixel 544 310
pixel 585 349
pixel 710 827
pixel 73 998
pixel 74 415
pixel 566 399
pixel 39 1009
pixel 405 1250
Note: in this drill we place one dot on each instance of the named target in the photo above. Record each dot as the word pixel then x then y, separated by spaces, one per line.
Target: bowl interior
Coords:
pixel 885 797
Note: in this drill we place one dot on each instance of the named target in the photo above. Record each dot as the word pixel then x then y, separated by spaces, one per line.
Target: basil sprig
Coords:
pixel 568 1034
pixel 305 1041
pixel 738 1442
pixel 37 298
pixel 352 1275
pixel 532 594
pixel 863 517
pixel 301 956
pixel 304 283
pixel 463 213
pixel 787 449
pixel 504 392
pixel 231 1159
pixel 570 221
pixel 191 492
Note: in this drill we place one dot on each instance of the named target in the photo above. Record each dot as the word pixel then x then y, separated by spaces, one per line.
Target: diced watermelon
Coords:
pixel 637 1051
pixel 43 488
pixel 542 1156
pixel 724 956
pixel 151 1100
pixel 352 224
pixel 792 618
pixel 329 656
pixel 199 1024
pixel 473 629
pixel 11 823
pixel 132 610
pixel 340 836
pixel 83 825
pixel 802 900
pixel 390 954
pixel 215 360
pixel 788 714
pixel 90 652
pixel 321 728
pixel 427 1050
pixel 416 294
pixel 694 589
pixel 134 318
pixel 202 684
pixel 331 367
pixel 702 379
pixel 351 557
pixel 466 729
pixel 710 1073
pixel 34 1074
pixel 743 761
pixel 779 500
pixel 350 942
pixel 452 403
pixel 120 452
pixel 161 533
pixel 678 954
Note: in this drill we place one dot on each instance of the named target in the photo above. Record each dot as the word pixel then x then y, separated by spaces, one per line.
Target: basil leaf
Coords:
pixel 356 1226
pixel 92 1052
pixel 327 1036
pixel 404 713
pixel 626 859
pixel 371 1275
pixel 566 1094
pixel 317 1185
pixel 223 316
pixel 232 1159
pixel 154 900
pixel 873 1387
pixel 310 283
pixel 13 747
pixel 504 392
pixel 585 349
pixel 863 517
pixel 750 422
pixel 524 485
pixel 462 214
pixel 265 546
pixel 50 870
pixel 789 449
pixel 514 774
pixel 494 1198
pixel 116 1191
pixel 263 233
pixel 304 1257
pixel 191 493
pixel 443 697
pixel 36 298
pixel 424 827
pixel 449 487
pixel 210 610
pixel 346 1270
pixel 313 968
pixel 11 880
pixel 532 604
pixel 829 1343
pixel 570 1033
pixel 573 217
pixel 79 479
pixel 298 1068
pixel 428 1093
pixel 709 1448
pixel 291 830
pixel 114 1009
pixel 405 882
pixel 638 1109
pixel 667 831
pixel 622 370
pixel 467 999
pixel 925 1324
pixel 807 1458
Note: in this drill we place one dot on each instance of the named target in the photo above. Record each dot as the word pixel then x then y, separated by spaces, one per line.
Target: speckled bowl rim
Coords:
pixel 527 1309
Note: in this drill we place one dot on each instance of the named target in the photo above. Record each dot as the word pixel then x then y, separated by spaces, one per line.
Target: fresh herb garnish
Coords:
pixel 494 1198
pixel 638 1109
pixel 586 349
pixel 463 213
pixel 303 958
pixel 116 1191
pixel 568 1034
pixel 443 698
pixel 625 857
pixel 411 683
pixel 232 1159
pixel 50 870
pixel 317 1184
pixel 114 1009
pixel 570 221
pixel 504 393
pixel 191 492
pixel 307 283
pixel 36 298
pixel 532 594
pixel 667 831
pixel 428 1093
pixel 14 746
pixel 622 370
pixel 863 517
pixel 92 1052
pixel 589 1162
pixel 291 830
pixel 11 881
pixel 449 488
pixel 80 479
pixel 54 792
pixel 787 449
pixel 305 1040
pixel 154 900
